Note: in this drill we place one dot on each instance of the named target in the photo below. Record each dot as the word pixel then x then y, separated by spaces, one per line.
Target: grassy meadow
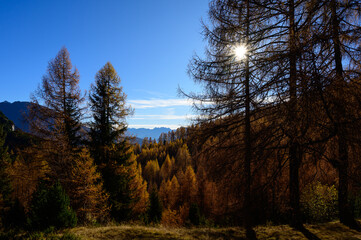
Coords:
pixel 331 230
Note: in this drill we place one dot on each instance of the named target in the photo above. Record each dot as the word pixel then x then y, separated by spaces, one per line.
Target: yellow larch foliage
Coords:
pixel 138 187
pixel 171 218
pixel 183 157
pixel 174 193
pixel 184 212
pixel 180 176
pixel 151 171
pixel 164 192
pixel 173 162
pixel 152 186
pixel 211 198
pixel 189 186
pixel 25 173
pixel 60 158
pixel 169 193
pixel 166 169
pixel 87 196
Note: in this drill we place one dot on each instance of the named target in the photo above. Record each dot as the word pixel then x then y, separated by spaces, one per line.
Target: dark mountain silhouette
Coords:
pixel 5 123
pixel 17 110
pixel 15 139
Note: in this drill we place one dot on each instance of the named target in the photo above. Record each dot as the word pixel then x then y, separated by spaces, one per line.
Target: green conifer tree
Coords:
pixel 107 102
pixel 155 207
pixel 51 207
pixel 109 150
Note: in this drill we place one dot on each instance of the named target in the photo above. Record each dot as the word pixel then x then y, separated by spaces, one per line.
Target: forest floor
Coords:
pixel 331 230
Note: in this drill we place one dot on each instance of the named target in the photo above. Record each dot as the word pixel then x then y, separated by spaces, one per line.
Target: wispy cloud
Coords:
pixel 164 117
pixel 157 103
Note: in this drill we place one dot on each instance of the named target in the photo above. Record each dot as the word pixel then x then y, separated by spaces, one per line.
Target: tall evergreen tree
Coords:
pixel 58 123
pixel 234 84
pixel 271 84
pixel 107 102
pixel 110 151
pixel 55 112
pixel 336 61
pixel 343 27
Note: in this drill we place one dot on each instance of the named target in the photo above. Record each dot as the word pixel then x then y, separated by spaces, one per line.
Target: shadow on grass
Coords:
pixel 217 234
pixel 309 235
pixel 335 229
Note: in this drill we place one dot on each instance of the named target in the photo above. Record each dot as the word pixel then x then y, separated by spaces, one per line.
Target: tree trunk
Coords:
pixel 295 155
pixel 345 215
pixel 343 181
pixel 294 165
pixel 250 233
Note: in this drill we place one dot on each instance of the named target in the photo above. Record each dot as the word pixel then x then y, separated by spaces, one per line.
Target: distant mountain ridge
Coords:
pixel 15 112
pixel 150 133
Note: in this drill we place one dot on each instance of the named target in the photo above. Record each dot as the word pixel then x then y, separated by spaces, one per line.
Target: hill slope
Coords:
pixel 5 122
pixel 15 112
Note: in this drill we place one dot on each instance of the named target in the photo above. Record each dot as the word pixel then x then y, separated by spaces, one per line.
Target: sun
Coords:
pixel 240 51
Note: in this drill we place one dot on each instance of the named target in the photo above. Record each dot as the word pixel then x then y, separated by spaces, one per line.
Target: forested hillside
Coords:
pixel 276 140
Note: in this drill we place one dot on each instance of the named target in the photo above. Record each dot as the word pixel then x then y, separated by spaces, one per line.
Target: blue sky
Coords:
pixel 149 42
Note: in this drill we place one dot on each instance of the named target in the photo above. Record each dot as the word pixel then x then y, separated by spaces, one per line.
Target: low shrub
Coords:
pixel 319 202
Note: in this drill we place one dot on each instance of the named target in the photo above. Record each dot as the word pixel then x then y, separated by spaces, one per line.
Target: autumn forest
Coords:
pixel 276 141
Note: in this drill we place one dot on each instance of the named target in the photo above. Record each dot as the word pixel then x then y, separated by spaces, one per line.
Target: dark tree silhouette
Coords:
pixel 110 151
pixel 55 112
pixel 107 102
pixel 336 61
pixel 234 87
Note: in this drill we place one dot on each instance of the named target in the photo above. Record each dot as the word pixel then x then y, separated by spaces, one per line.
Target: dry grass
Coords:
pixel 332 230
